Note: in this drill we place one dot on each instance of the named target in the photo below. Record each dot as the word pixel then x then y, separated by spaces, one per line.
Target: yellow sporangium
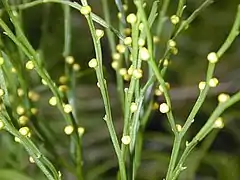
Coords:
pixel 179 127
pixel 68 129
pixel 44 82
pixel 141 42
pixel 144 53
pixel 201 85
pixel 67 108
pixel 213 82
pixel 223 97
pixel 165 62
pixel 31 160
pixel 125 7
pixel 115 65
pixel 119 15
pixel 130 70
pixel 24 131
pixel 128 41
pixel 63 88
pixel 33 96
pixel 164 108
pixel 212 57
pixel 131 18
pixel 126 77
pixel 13 70
pixel 1 125
pixel 81 131
pixel 93 63
pixel 172 43
pixel 116 56
pixel 20 92
pixel 20 110
pixel 85 10
pixel 34 111
pixel 30 65
pixel 141 26
pixel 76 67
pixel 16 139
pixel 121 48
pixel 99 33
pixel 69 59
pixel 126 140
pixel 175 19
pixel 137 73
pixel 53 101
pixel 219 123
pixel 133 107
pixel 63 79
pixel 157 92
pixel 167 85
pixel 23 120
pixel 122 71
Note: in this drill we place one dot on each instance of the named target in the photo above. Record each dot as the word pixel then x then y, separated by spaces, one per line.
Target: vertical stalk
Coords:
pixel 104 92
pixel 71 93
pixel 112 43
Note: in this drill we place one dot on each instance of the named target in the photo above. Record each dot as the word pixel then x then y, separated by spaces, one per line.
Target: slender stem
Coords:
pixel 71 93
pixel 110 35
pixel 67 30
pixel 112 42
pixel 181 4
pixel 105 96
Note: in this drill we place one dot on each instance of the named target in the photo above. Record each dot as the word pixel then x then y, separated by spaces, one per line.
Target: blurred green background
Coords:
pixel 220 151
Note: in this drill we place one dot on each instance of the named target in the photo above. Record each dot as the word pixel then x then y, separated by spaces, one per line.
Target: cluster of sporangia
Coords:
pixel 63 80
pixel 23 115
pixel 144 55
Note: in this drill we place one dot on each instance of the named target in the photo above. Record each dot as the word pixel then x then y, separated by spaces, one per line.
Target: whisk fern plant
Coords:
pixel 140 70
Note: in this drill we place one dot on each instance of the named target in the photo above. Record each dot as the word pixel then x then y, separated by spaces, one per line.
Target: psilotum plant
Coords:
pixel 142 38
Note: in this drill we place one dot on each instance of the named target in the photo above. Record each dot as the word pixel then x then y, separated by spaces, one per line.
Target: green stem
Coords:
pixel 71 93
pixel 112 42
pixel 104 92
